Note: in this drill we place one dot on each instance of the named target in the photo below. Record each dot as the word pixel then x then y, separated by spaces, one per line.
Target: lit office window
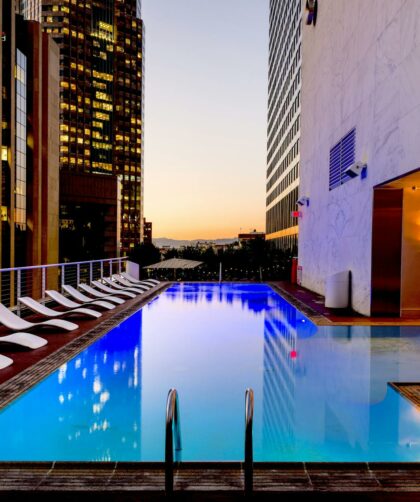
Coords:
pixel 21 114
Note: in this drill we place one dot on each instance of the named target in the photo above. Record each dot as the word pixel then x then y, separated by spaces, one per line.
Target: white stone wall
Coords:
pixel 361 68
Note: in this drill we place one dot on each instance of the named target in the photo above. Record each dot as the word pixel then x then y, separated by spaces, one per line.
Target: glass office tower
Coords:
pixel 283 130
pixel 101 121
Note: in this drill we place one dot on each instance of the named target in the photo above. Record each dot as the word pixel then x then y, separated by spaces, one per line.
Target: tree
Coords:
pixel 171 253
pixel 191 253
pixel 145 254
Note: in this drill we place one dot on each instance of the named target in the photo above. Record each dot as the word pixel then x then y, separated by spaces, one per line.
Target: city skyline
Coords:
pixel 205 116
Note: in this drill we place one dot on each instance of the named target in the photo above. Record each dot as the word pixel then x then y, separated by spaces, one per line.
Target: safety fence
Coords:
pixel 35 280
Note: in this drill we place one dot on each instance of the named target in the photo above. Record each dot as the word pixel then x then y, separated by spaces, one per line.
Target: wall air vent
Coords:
pixel 342 155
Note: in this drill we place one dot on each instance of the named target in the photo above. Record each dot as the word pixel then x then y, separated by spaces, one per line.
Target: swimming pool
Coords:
pixel 321 393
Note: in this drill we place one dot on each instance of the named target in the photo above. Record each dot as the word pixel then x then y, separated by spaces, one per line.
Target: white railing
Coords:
pixel 35 280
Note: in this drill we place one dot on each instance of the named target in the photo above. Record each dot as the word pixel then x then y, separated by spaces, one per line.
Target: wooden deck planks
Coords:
pixel 410 391
pixel 216 481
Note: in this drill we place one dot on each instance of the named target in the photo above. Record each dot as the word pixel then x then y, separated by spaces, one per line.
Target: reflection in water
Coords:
pixel 280 354
pixel 251 297
pixel 89 408
pixel 321 393
pixel 331 400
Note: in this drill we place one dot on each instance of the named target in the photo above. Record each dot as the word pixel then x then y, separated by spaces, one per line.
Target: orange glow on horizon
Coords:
pixel 184 232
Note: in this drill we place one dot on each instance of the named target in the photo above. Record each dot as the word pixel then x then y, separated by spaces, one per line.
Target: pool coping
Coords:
pixel 31 376
pixel 314 316
pixel 322 320
pixel 213 478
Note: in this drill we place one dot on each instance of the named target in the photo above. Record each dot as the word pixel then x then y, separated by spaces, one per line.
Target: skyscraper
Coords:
pixel 101 121
pixel 283 131
pixel 29 138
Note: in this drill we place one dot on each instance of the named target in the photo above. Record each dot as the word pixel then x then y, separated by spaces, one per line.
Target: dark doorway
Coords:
pixel 386 251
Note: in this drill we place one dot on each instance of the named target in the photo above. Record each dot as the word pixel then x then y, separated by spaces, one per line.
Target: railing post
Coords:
pixel 110 269
pixel 43 270
pixel 119 266
pixel 90 272
pixel 249 457
pixel 102 269
pixel 63 279
pixel 11 288
pixel 77 275
pixel 18 291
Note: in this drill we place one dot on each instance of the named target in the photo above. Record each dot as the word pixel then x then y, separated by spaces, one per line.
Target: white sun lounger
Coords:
pixel 130 278
pixel 66 302
pixel 5 361
pixel 86 299
pixel 155 282
pixel 118 278
pixel 26 340
pixel 112 291
pixel 134 289
pixel 106 296
pixel 47 312
pixel 14 322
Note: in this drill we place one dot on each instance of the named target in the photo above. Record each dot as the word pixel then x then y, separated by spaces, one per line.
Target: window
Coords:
pixel 342 155
pixel 20 186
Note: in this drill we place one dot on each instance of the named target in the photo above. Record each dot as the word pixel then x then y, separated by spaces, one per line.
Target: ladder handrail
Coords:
pixel 172 422
pixel 249 456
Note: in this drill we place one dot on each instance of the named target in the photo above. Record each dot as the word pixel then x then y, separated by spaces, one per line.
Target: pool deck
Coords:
pixel 312 305
pixel 211 481
pixel 202 482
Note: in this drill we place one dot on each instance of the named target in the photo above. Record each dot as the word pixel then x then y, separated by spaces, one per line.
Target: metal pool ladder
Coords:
pixel 173 438
pixel 249 456
pixel 172 423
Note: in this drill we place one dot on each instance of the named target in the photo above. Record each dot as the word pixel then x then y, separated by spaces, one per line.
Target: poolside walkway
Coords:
pixel 121 481
pixel 312 305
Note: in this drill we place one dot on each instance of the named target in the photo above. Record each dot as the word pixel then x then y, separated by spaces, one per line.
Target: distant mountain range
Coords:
pixel 174 243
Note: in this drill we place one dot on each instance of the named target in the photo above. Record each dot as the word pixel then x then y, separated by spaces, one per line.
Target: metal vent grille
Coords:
pixel 342 155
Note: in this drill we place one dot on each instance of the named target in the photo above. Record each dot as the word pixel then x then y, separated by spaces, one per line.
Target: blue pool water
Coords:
pixel 321 393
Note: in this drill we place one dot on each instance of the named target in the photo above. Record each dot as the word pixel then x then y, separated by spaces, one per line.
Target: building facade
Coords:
pixel 101 115
pixel 29 138
pixel 148 232
pixel 251 236
pixel 360 153
pixel 283 130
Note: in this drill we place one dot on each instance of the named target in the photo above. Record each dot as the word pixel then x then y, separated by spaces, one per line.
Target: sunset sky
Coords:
pixel 205 116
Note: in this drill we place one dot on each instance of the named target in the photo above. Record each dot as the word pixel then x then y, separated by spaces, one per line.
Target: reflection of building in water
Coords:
pixel 345 392
pixel 99 396
pixel 280 352
pixel 251 296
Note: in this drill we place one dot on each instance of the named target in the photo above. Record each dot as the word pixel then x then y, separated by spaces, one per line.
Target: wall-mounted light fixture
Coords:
pixel 312 8
pixel 356 169
pixel 302 201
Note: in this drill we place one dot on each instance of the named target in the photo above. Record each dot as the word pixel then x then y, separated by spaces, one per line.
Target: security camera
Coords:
pixel 355 169
pixel 302 201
